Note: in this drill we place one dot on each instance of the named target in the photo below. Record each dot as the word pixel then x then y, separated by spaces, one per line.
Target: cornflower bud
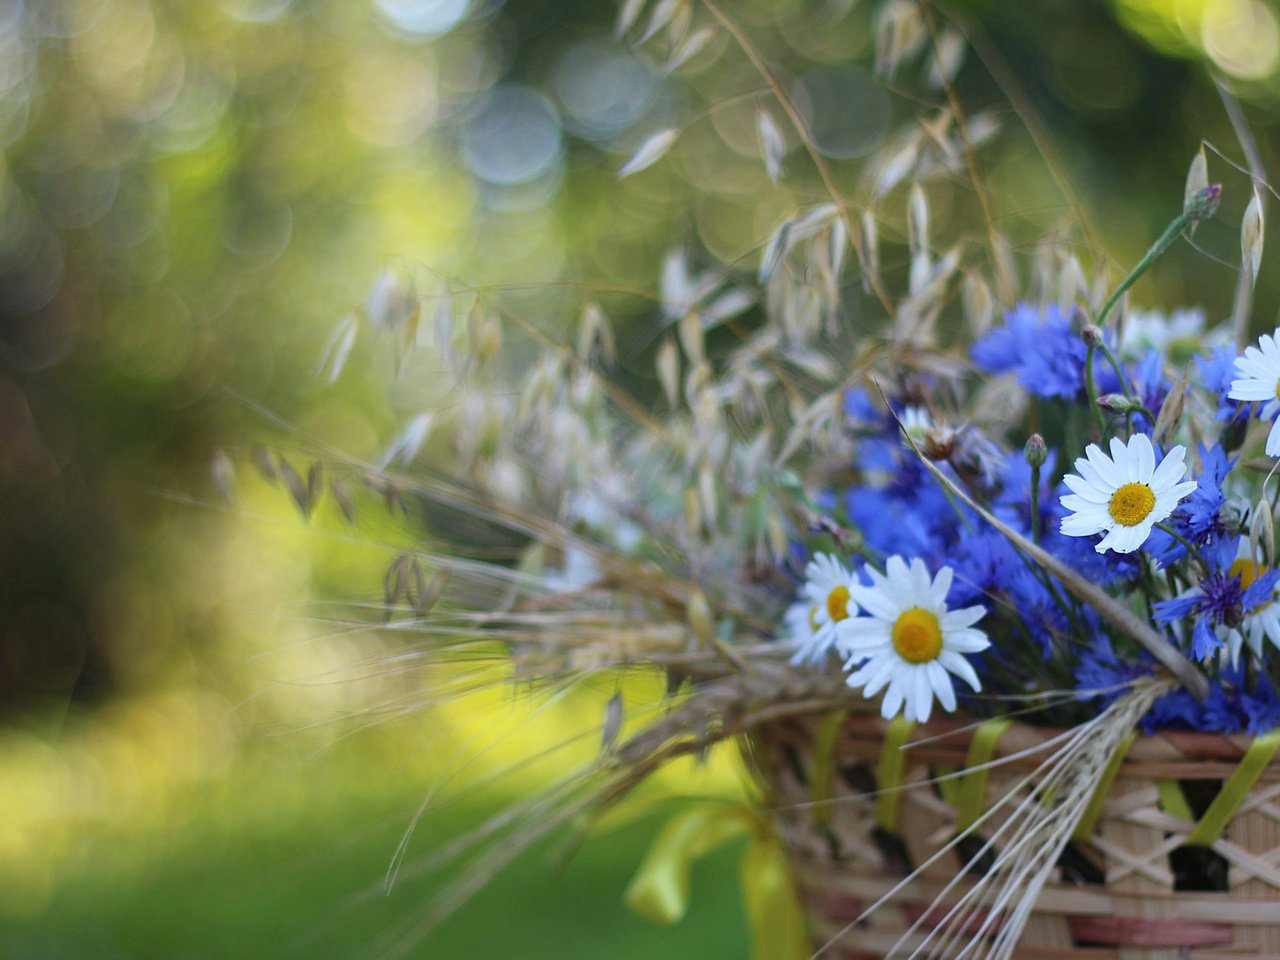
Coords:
pixel 1116 403
pixel 1035 452
pixel 1092 335
pixel 1202 204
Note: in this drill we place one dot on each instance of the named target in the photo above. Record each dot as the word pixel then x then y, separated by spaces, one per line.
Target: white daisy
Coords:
pixel 910 642
pixel 1124 494
pixel 1260 622
pixel 798 629
pixel 1180 333
pixel 1259 380
pixel 825 595
pixel 916 423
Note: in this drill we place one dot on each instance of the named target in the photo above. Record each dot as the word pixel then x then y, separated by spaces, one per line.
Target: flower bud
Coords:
pixel 1202 204
pixel 1116 403
pixel 939 443
pixel 1092 335
pixel 1034 452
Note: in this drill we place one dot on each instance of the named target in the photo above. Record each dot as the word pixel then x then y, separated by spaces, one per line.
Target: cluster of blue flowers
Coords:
pixel 1176 544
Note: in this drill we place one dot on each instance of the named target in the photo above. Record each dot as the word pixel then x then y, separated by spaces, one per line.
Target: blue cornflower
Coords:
pixel 859 406
pixel 1039 347
pixel 1220 602
pixel 1100 673
pixel 1176 710
pixel 1150 386
pixel 1199 518
pixel 1216 372
pixel 1261 708
pixel 1221 711
pixel 984 565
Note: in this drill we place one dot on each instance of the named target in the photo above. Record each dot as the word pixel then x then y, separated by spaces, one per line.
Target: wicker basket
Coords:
pixel 1128 887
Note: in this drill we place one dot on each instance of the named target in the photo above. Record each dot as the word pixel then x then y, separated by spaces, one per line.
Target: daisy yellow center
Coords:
pixel 1247 571
pixel 838 604
pixel 1131 504
pixel 813 617
pixel 1278 389
pixel 917 636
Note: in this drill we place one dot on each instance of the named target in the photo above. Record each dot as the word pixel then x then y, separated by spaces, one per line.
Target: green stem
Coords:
pixel 1091 388
pixel 1191 549
pixel 1171 233
pixel 1035 505
pixel 1119 370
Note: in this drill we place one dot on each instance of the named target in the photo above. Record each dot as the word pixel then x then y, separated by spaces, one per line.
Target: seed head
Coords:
pixel 1202 204
pixel 1035 452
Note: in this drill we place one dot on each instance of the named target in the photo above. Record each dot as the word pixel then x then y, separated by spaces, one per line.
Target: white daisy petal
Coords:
pixel 875 633
pixel 961 667
pixel 874 602
pixel 1125 465
pixel 1089 473
pixel 895 568
pixel 921 694
pixel 942 687
pixel 1080 505
pixel 1140 444
pixel 1273 440
pixel 941 586
pixel 1171 468
pixel 1251 390
pixel 893 698
pixel 1081 525
pixel 1083 488
pixel 877 674
pixel 968 641
pixel 964 617
pixel 1103 465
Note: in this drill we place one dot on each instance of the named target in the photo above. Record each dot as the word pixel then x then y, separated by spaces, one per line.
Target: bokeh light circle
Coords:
pixel 424 18
pixel 846 111
pixel 603 87
pixel 513 136
pixel 1242 38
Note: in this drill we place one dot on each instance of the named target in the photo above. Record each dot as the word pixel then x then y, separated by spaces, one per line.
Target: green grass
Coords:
pixel 244 872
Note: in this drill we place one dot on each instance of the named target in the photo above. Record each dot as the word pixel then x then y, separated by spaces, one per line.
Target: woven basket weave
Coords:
pixel 1120 892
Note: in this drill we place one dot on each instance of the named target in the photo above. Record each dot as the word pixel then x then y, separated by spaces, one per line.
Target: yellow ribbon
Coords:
pixel 971 793
pixel 893 762
pixel 660 890
pixel 1173 801
pixel 1233 792
pixel 822 770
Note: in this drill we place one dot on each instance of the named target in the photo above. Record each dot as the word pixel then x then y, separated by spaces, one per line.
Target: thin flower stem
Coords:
pixel 1115 365
pixel 1035 505
pixel 1171 233
pixel 1091 388
pixel 1191 549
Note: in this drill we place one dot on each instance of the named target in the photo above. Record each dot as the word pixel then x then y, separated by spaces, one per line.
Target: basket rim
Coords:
pixel 944 741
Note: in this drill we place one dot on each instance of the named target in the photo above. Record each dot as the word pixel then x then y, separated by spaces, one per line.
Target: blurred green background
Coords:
pixel 198 758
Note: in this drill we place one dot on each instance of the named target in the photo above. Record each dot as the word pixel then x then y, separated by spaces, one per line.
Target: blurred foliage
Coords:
pixel 193 193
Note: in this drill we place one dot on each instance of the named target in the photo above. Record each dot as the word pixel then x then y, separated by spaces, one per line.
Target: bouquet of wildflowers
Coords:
pixel 998 492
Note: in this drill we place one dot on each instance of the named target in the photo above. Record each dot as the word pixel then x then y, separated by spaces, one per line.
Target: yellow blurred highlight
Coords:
pixel 421 213
pixel 1241 37
pixel 331 711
